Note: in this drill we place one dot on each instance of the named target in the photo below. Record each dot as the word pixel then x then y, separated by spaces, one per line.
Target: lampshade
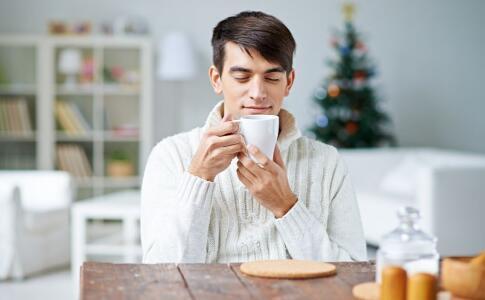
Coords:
pixel 69 61
pixel 176 58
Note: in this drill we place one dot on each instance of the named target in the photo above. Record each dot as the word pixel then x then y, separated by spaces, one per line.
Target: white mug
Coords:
pixel 260 131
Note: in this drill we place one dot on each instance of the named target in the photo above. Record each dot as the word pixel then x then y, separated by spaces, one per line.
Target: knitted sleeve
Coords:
pixel 342 239
pixel 175 209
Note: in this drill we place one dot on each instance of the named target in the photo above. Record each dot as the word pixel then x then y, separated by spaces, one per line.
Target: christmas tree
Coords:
pixel 350 116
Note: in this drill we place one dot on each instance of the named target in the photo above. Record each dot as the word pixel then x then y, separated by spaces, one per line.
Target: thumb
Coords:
pixel 277 157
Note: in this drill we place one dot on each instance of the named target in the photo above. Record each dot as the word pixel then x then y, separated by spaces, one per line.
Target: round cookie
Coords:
pixel 366 291
pixel 288 268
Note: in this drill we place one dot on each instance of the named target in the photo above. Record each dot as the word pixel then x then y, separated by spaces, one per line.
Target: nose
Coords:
pixel 257 90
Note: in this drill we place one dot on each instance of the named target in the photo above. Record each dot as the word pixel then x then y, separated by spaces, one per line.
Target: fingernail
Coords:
pixel 252 149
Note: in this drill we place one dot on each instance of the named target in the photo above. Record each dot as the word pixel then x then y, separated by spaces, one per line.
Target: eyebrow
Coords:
pixel 245 70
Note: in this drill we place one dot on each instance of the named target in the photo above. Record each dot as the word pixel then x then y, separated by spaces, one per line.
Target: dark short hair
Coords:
pixel 254 30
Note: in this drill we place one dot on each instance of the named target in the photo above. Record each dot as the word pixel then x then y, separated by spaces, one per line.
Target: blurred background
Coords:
pixel 87 88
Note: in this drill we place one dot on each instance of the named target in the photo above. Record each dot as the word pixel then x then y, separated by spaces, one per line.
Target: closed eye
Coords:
pixel 273 79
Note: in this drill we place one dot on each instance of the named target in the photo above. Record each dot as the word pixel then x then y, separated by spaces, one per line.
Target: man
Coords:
pixel 204 200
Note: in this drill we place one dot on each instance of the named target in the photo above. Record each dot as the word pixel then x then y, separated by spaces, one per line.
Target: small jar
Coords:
pixel 408 247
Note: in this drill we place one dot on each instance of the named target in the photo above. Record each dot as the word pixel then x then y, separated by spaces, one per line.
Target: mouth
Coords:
pixel 256 109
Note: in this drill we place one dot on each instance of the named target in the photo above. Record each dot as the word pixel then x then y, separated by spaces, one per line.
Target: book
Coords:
pixel 74 121
pixel 24 116
pixel 3 117
pixel 70 118
pixel 75 152
pixel 84 163
pixel 81 122
pixel 73 159
pixel 11 117
pixel 14 116
pixel 63 118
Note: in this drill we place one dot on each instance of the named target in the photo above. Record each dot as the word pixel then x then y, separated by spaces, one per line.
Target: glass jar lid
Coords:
pixel 408 238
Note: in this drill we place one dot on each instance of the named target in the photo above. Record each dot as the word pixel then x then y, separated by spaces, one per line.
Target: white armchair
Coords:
pixel 448 188
pixel 34 221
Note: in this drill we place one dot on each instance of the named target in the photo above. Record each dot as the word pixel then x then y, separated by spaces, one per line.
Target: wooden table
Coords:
pixel 212 281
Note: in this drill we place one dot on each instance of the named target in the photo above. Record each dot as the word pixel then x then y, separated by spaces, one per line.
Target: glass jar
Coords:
pixel 408 246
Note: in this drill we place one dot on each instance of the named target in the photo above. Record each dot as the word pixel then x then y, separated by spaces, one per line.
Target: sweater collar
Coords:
pixel 289 131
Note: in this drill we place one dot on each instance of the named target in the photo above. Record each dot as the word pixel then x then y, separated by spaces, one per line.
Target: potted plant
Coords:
pixel 120 164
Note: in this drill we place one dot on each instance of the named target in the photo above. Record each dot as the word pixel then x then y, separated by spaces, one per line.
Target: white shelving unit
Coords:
pixel 20 77
pixel 29 68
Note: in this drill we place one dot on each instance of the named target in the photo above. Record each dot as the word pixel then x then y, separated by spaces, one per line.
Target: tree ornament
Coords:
pixel 345 50
pixel 322 121
pixel 359 45
pixel 351 128
pixel 320 93
pixel 348 10
pixel 333 90
pixel 359 75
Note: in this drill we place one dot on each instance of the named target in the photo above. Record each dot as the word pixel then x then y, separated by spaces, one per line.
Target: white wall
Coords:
pixel 429 54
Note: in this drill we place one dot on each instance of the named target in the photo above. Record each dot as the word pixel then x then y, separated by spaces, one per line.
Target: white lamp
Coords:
pixel 176 58
pixel 70 65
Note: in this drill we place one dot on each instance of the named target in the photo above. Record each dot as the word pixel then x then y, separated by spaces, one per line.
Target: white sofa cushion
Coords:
pixel 45 221
pixel 402 178
pixel 40 190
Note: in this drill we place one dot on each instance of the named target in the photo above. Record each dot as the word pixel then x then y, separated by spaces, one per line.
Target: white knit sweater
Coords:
pixel 187 219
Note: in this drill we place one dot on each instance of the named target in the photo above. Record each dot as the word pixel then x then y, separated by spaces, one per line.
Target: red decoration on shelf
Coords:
pixel 87 70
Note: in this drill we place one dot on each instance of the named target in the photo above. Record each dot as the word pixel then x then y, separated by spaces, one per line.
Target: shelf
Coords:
pixel 65 137
pixel 121 89
pixel 102 136
pixel 16 137
pixel 90 89
pixel 87 89
pixel 18 89
pixel 113 136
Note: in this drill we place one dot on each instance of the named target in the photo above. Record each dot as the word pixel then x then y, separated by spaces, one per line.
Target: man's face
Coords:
pixel 250 85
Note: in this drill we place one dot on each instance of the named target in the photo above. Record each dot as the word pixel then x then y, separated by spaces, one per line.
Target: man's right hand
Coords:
pixel 218 147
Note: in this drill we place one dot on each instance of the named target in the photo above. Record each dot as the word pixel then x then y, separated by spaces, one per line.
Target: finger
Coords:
pixel 223 129
pixel 228 140
pixel 229 150
pixel 246 172
pixel 277 157
pixel 261 159
pixel 247 183
pixel 250 165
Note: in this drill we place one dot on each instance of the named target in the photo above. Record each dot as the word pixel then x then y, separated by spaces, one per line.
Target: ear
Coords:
pixel 215 79
pixel 289 81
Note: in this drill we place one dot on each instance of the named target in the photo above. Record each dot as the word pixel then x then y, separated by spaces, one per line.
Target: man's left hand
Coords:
pixel 267 180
